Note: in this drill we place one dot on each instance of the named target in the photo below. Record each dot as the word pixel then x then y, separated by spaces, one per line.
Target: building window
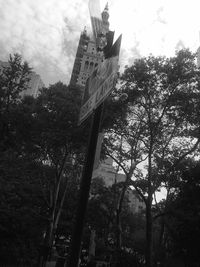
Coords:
pixel 91 66
pixel 86 65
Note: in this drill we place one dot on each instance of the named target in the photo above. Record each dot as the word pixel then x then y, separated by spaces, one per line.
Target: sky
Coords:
pixel 46 32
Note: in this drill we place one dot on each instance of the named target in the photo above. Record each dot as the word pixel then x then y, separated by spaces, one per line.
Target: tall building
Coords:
pixel 87 57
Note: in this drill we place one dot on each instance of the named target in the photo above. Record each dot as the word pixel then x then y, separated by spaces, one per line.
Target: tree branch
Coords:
pixel 186 153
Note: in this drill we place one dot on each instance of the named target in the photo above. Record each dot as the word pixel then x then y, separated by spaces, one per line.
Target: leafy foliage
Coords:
pixel 149 135
pixel 182 215
pixel 14 77
pixel 41 159
pixel 101 216
pixel 161 126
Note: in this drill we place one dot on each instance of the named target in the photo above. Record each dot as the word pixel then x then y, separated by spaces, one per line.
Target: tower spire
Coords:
pixel 105 17
pixel 106 7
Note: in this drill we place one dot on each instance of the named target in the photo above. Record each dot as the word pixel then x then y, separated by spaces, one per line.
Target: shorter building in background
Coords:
pixel 136 203
pixel 3 64
pixel 107 172
pixel 34 85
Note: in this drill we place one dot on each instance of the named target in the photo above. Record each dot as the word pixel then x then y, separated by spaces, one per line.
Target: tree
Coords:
pixel 14 77
pixel 40 136
pixel 60 145
pixel 19 215
pixel 101 217
pixel 161 126
pixel 22 210
pixel 181 216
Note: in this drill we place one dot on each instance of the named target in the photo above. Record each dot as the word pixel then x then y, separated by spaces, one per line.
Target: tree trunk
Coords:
pixel 92 245
pixel 118 222
pixel 55 215
pixel 118 215
pixel 161 234
pixel 49 236
pixel 46 246
pixel 149 247
pixel 118 230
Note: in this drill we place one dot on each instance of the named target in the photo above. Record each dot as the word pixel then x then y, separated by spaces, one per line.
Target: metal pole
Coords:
pixel 87 175
pixel 85 189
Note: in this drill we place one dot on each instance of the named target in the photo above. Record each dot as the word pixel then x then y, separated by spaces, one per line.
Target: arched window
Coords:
pixel 86 65
pixel 91 66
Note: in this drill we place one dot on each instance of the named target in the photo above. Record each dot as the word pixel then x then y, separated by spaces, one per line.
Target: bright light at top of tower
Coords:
pixel 95 16
pixel 94 8
pixel 100 27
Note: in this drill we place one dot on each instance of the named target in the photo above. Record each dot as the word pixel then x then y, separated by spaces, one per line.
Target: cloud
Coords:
pixel 160 15
pixel 38 30
pixel 46 32
pixel 180 45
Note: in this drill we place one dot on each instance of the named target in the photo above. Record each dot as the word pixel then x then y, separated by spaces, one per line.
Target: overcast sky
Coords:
pixel 46 32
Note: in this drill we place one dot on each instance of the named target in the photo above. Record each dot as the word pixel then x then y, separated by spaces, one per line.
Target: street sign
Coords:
pixel 98 86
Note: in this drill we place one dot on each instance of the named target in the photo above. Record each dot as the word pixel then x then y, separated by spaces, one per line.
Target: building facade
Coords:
pixel 34 86
pixel 107 172
pixel 87 57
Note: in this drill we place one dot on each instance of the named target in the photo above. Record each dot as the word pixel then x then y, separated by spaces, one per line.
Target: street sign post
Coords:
pixel 93 98
pixel 98 87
